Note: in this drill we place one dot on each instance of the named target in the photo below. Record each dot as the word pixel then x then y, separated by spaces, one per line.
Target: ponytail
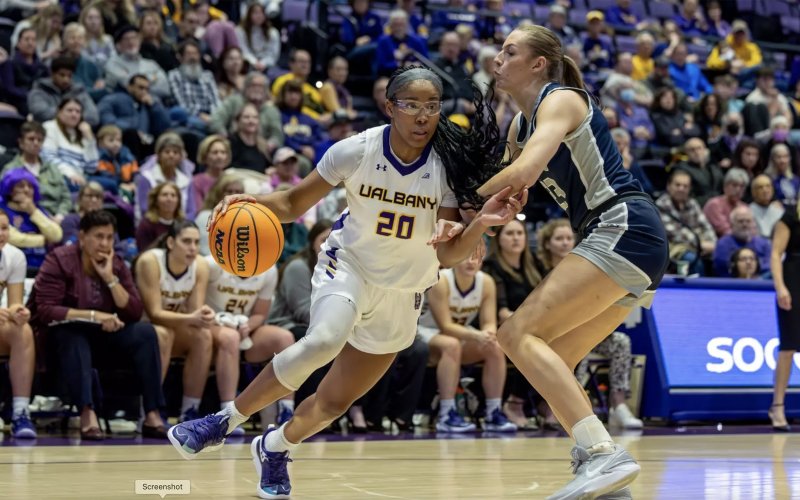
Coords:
pixel 570 73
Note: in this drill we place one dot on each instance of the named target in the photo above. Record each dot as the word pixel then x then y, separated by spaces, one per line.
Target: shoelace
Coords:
pixel 210 429
pixel 578 459
pixel 278 472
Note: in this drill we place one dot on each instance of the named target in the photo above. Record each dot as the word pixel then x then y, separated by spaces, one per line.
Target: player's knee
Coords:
pixel 26 335
pixel 322 347
pixel 495 353
pixel 450 347
pixel 227 339
pixel 285 339
pixel 331 408
pixel 166 336
pixel 201 339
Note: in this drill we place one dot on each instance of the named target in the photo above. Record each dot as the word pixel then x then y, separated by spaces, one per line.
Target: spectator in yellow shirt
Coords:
pixel 300 69
pixel 643 62
pixel 736 52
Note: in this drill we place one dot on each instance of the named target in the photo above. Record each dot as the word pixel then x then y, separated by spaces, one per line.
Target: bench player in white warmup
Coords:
pixel 463 294
pixel 172 279
pixel 372 270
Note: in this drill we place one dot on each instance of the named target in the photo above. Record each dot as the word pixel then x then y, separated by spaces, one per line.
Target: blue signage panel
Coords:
pixel 718 337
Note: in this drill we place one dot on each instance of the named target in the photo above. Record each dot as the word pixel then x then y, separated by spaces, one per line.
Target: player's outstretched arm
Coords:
pixel 286 205
pixel 559 114
pixel 497 211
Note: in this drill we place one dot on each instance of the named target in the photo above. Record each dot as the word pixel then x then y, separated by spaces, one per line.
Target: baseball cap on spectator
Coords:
pixel 283 154
pixel 122 31
pixel 558 9
pixel 595 15
pixel 739 25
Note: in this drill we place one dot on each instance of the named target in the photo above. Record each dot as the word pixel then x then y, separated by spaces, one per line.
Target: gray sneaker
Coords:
pixel 598 474
pixel 623 494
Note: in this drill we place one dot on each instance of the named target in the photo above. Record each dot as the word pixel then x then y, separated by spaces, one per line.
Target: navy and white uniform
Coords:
pixel 464 305
pixel 377 254
pixel 620 232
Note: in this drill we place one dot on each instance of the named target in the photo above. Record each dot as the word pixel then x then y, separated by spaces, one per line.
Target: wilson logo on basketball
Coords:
pixel 219 246
pixel 242 247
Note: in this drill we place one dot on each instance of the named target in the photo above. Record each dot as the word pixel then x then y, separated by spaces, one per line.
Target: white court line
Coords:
pixel 367 492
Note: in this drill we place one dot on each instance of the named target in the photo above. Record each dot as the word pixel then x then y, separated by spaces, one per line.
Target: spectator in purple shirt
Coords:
pixel 743 234
pixel 635 119
pixel 690 19
pixel 85 301
pixel 621 15
pixel 394 47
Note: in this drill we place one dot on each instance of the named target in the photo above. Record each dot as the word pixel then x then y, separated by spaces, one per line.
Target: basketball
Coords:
pixel 246 240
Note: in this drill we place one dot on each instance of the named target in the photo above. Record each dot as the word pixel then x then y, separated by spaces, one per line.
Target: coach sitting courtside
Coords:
pixel 86 302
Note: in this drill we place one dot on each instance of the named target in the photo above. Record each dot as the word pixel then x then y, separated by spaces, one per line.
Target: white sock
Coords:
pixel 20 404
pixel 445 405
pixel 492 405
pixel 277 442
pixel 189 403
pixel 224 404
pixel 286 403
pixel 235 418
pixel 590 433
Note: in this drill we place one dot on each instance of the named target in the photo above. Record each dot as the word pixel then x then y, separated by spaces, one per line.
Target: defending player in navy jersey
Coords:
pixel 561 139
pixel 371 272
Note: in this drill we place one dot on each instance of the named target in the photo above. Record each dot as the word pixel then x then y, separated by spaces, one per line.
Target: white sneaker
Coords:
pixel 621 416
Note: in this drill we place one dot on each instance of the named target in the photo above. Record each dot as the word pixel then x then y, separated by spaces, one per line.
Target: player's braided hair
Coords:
pixel 470 157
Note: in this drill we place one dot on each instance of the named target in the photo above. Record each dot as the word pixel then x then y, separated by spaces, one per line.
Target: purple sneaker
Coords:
pixel 193 436
pixel 271 468
pixel 284 415
pixel 22 427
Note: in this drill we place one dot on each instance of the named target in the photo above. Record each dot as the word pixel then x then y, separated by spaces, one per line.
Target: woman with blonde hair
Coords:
pixel 47 25
pixel 163 210
pixel 561 140
pixel 155 44
pixel 226 184
pixel 554 241
pixel 99 44
pixel 213 153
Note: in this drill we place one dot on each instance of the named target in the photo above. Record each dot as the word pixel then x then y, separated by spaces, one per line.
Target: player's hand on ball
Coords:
pixel 445 231
pixel 223 205
pixel 501 208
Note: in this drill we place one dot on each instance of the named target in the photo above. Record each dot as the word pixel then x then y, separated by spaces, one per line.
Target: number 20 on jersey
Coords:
pixel 394 224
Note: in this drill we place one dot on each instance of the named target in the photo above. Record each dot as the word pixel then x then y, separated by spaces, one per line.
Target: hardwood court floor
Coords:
pixel 673 467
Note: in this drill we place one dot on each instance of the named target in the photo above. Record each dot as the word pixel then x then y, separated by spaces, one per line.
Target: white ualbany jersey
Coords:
pixel 230 293
pixel 175 290
pixel 13 266
pixel 464 305
pixel 391 212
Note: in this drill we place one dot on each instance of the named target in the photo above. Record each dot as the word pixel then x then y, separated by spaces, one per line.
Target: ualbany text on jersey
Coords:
pixel 397 197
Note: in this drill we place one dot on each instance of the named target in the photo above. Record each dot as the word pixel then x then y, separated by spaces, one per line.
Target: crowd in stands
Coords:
pixel 133 119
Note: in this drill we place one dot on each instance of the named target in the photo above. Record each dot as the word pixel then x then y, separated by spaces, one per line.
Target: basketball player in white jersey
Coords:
pixel 463 294
pixel 172 279
pixel 250 298
pixel 373 268
pixel 16 335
